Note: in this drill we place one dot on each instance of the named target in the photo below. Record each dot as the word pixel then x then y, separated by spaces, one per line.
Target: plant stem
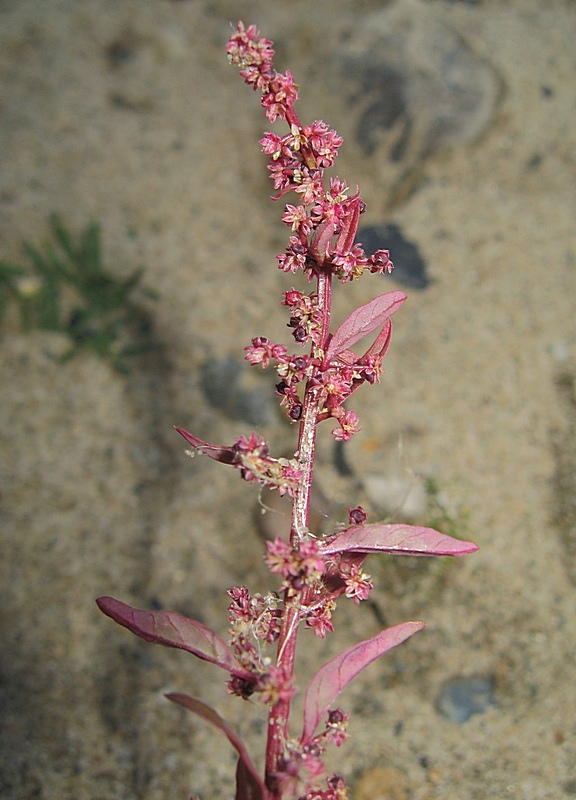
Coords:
pixel 280 713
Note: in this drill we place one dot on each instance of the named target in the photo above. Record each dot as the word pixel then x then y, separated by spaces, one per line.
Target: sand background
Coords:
pixel 127 113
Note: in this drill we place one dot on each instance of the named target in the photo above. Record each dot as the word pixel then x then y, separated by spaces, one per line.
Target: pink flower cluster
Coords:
pixel 321 579
pixel 331 383
pixel 252 457
pixel 303 765
pixel 323 226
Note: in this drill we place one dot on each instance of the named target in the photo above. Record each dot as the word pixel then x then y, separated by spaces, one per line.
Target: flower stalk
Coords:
pixel 313 387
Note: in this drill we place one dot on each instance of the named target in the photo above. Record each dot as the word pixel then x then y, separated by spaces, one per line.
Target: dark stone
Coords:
pixel 461 698
pixel 416 83
pixel 223 385
pixel 409 265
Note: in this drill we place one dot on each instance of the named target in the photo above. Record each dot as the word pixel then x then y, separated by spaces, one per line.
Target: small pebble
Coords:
pixel 461 698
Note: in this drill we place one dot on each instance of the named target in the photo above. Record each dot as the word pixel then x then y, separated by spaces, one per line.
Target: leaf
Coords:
pixel 246 786
pixel 347 234
pixel 174 630
pixel 320 240
pixel 222 453
pixel 363 321
pixel 398 539
pixel 333 677
pixel 381 344
pixel 249 785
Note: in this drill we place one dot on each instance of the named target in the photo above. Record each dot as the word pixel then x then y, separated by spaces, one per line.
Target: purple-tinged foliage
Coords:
pixel 363 322
pixel 249 784
pixel 334 677
pixel 398 539
pixel 174 630
pixel 313 386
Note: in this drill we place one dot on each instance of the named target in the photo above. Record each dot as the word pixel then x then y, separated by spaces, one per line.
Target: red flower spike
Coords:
pixel 312 387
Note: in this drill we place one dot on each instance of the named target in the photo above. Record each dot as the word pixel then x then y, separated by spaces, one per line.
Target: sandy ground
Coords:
pixel 127 113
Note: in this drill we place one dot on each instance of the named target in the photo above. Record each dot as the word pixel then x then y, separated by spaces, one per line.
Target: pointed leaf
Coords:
pixel 320 241
pixel 174 630
pixel 398 539
pixel 362 322
pixel 222 453
pixel 333 677
pixel 381 344
pixel 347 234
pixel 249 785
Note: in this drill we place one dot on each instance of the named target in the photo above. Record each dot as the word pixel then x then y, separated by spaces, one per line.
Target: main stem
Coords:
pixel 280 712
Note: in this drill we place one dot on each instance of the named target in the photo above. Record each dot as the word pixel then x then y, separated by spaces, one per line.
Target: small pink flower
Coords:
pixel 310 186
pixel 273 145
pixel 296 217
pixel 380 262
pixel 251 445
pixel 349 425
pixel 336 727
pixel 281 95
pixel 281 175
pixel 337 190
pixel 299 567
pixel 320 619
pixel 370 369
pixel 323 142
pixel 263 350
pixel 280 558
pixel 241 605
pixel 276 686
pixel 294 258
pixel 311 559
pixel 358 584
pixel 253 54
pixel 292 298
pixel 357 516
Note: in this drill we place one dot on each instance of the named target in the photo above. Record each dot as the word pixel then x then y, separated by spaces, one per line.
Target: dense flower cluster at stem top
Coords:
pixel 323 228
pixel 325 222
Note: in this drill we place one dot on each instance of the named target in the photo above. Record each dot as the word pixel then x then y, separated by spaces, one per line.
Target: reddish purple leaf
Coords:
pixel 381 344
pixel 398 539
pixel 346 237
pixel 249 785
pixel 333 677
pixel 174 630
pixel 224 454
pixel 320 241
pixel 363 321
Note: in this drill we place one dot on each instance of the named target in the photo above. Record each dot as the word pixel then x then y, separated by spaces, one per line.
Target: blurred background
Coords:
pixel 137 260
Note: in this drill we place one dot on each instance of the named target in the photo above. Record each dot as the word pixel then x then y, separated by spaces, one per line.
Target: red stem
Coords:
pixel 280 713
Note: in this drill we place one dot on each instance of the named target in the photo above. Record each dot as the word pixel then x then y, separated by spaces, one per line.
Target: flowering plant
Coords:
pixel 313 387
